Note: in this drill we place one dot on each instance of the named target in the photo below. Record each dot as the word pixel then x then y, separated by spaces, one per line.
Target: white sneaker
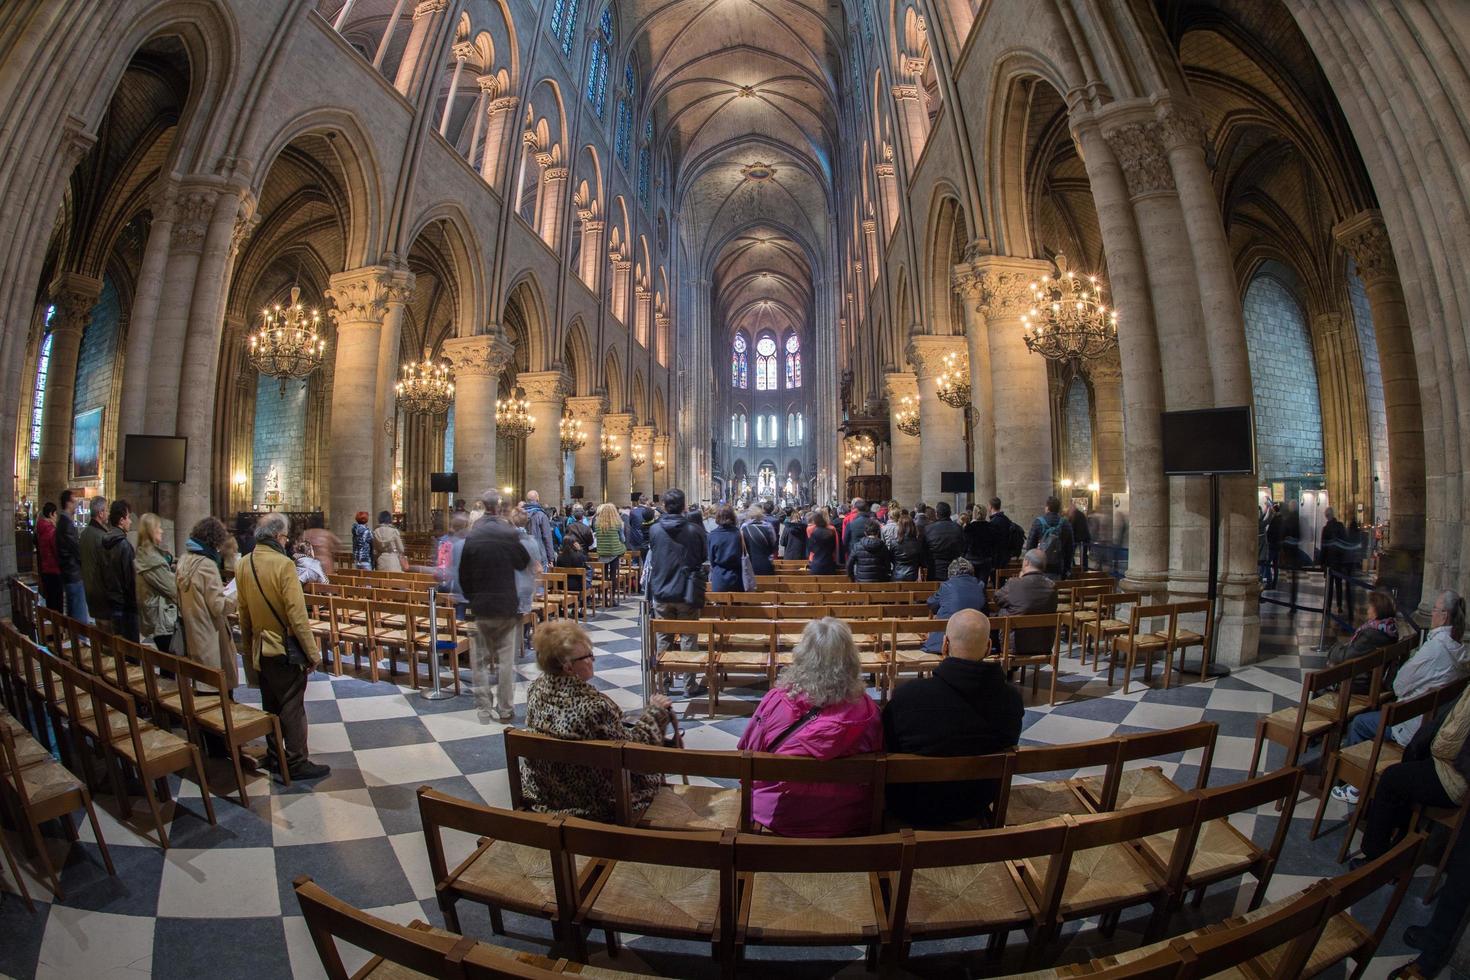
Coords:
pixel 1343 793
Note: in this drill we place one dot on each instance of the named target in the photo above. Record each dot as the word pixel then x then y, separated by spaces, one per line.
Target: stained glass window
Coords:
pixel 643 162
pixel 623 134
pixel 597 67
pixel 765 363
pixel 564 23
pixel 793 361
pixel 739 363
pixel 43 368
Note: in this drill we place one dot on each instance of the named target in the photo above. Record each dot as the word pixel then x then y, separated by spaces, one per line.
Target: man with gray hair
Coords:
pixel 90 545
pixel 1029 593
pixel 275 635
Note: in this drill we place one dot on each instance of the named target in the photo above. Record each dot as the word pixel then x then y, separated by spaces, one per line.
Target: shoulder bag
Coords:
pixel 747 567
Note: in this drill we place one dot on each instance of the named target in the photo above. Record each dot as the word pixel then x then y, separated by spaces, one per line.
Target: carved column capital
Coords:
pixel 999 285
pixel 428 8
pixel 1365 236
pixel 588 408
pixel 463 51
pixel 192 208
pixel 554 173
pixel 543 386
pixel 364 295
pixel 926 352
pixel 1181 125
pixel 1141 152
pixel 902 92
pixel 1107 369
pixel 506 104
pixel 73 295
pixel 898 385
pixel 482 356
pixel 643 435
pixel 246 218
pixel 618 423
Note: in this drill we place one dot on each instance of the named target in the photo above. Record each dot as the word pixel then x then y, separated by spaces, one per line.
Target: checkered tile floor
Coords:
pixel 219 902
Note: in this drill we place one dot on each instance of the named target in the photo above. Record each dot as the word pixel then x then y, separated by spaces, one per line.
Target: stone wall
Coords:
pixel 1077 458
pixel 280 422
pixel 1373 384
pixel 1284 381
pixel 95 369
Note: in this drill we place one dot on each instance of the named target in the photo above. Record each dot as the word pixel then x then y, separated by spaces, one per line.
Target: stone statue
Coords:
pixel 272 480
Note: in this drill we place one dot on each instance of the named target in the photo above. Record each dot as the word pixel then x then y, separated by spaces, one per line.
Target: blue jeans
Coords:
pixel 76 601
pixel 1363 728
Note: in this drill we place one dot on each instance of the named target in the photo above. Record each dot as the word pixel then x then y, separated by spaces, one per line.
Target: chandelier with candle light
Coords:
pixel 1069 320
pixel 288 344
pixel 858 449
pixel 658 460
pixel 639 457
pixel 426 387
pixel 953 384
pixel 907 416
pixel 513 418
pixel 610 450
pixel 573 437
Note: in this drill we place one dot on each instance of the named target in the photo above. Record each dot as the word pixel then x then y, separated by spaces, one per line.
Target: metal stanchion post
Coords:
pixel 645 646
pixel 436 690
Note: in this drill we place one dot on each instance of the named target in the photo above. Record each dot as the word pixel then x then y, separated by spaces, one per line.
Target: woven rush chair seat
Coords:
pixel 674 658
pixel 1340 938
pixel 971 897
pixel 749 660
pixel 1220 848
pixel 664 898
pixel 1034 802
pixel 157 744
pixel 680 807
pixel 241 715
pixel 512 875
pixel 1098 876
pixel 797 907
pixel 1359 754
pixel 1326 704
pixel 1136 787
pixel 1284 719
pixel 47 780
pixel 173 701
pixel 28 751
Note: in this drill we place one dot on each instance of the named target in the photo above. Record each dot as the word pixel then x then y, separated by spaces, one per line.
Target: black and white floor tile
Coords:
pixel 219 901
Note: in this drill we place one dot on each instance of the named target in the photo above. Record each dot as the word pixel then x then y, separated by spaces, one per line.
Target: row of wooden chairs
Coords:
pixel 825 597
pixel 1302 935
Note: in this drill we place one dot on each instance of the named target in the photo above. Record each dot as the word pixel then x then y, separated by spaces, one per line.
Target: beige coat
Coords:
pixel 1445 748
pixel 204 611
pixel 268 588
pixel 388 548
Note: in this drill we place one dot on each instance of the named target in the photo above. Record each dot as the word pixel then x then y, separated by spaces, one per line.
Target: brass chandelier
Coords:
pixel 953 384
pixel 573 437
pixel 639 457
pixel 513 418
pixel 907 416
pixel 426 388
pixel 658 461
pixel 288 343
pixel 610 450
pixel 859 448
pixel 1068 320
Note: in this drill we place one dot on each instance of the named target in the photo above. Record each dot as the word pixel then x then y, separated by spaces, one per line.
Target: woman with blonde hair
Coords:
pixel 817 708
pixel 158 594
pixel 607 529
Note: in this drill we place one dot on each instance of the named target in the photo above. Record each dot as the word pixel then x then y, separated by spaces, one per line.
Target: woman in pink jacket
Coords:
pixel 820 709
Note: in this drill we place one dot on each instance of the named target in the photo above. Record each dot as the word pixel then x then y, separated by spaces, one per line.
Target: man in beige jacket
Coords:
pixel 276 636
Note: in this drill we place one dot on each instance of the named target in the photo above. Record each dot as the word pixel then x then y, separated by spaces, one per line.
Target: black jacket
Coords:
pixel 868 560
pixel 584 534
pixel 793 540
pixel 493 553
pixel 960 592
pixel 908 558
pixel 676 550
pixel 68 548
pixel 118 579
pixel 1005 551
pixel 638 519
pixel 821 546
pixel 1081 530
pixel 981 543
pixel 1334 544
pixel 724 560
pixel 760 544
pixel 965 708
pixel 944 541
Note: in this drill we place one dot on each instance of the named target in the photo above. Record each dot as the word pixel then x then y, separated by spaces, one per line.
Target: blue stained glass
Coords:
pixel 607 24
pixel 630 80
pixel 597 80
pixel 623 135
pixel 556 14
pixel 566 29
pixel 643 164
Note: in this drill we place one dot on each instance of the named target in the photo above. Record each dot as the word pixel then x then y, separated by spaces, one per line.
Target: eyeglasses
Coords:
pixel 585 656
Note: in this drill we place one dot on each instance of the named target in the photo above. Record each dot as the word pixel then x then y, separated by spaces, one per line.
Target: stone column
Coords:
pixel 943 426
pixel 385 397
pixel 642 315
pixel 870 245
pixel 420 45
pixel 1108 443
pixel 904 457
pixel 621 272
pixel 553 197
pixel 665 478
pixel 618 427
pixel 361 298
pixel 74 296
pixel 545 391
pixel 915 123
pixel 192 207
pixel 587 463
pixel 1366 238
pixel 888 188
pixel 642 442
pixel 477 363
pixel 133 410
pixel 661 325
pixel 461 52
pixel 591 254
pixel 499 118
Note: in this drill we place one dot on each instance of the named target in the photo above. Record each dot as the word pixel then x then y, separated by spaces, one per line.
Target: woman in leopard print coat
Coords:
pixel 563 704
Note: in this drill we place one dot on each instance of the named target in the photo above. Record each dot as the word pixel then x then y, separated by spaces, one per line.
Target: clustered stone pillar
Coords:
pixel 1108 446
pixel 420 43
pixel 642 314
pixel 385 397
pixel 663 448
pixel 133 407
pixel 591 254
pixel 545 391
pixel 904 449
pixel 643 444
pixel 499 118
pixel 477 363
pixel 553 188
pixel 587 463
pixel 74 296
pixel 619 427
pixel 191 209
pixel 942 432
pixel 362 298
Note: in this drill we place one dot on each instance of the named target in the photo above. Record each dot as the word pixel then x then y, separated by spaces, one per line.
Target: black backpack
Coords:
pixel 1051 543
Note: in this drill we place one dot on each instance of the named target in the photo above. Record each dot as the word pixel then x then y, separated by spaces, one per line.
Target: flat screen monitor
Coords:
pixel 154 459
pixel 1211 440
pixel 444 483
pixel 956 481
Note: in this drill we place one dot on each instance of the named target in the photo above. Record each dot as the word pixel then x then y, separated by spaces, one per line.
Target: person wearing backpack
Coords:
pixel 1053 535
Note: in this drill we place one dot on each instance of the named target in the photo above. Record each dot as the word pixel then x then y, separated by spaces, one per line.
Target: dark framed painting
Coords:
pixel 86 445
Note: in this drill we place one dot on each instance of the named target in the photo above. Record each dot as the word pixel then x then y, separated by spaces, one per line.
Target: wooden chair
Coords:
pixel 352 627
pixel 454 645
pixel 1010 629
pixel 1082 607
pixel 1369 665
pixel 1182 639
pixel 1139 641
pixel 394 630
pixel 154 753
pixel 397 951
pixel 654 883
pixel 966 884
pixel 18 739
pixel 1122 787
pixel 907 647
pixel 875 659
pixel 1108 625
pixel 852 770
pixel 741 647
pixel 1024 803
pixel 46 791
pixel 829 892
pixel 686 806
pixel 517 865
pixel 676 660
pixel 1296 726
pixel 584 760
pixel 902 769
pixel 232 722
pixel 1360 765
pixel 1452 819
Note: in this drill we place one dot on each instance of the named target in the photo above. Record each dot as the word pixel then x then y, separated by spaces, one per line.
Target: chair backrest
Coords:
pixel 329 919
pixel 1101 829
pixel 106 698
pixel 1293 928
pixel 485 962
pixel 1138 621
pixel 833 855
pixel 939 849
pixel 1394 866
pixel 1151 745
pixel 438 811
pixel 712 849
pixel 523 744
pixel 1338 678
pixel 1010 628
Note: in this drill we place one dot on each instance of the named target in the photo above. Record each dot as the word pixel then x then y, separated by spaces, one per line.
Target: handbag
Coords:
pixel 295 655
pixel 747 567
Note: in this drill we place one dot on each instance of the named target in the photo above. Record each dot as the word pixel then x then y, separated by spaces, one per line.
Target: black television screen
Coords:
pixel 154 459
pixel 1210 440
pixel 956 481
pixel 444 483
